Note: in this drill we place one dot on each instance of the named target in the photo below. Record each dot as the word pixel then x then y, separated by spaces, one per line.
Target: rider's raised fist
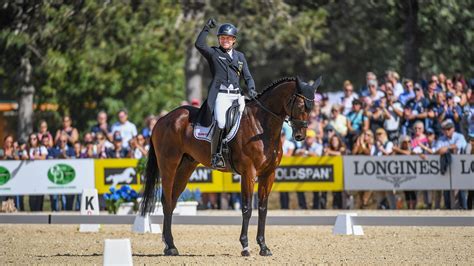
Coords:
pixel 211 23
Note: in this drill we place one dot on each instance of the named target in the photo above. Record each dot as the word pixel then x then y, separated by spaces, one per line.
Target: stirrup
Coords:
pixel 217 161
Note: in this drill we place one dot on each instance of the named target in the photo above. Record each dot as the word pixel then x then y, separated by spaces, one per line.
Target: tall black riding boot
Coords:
pixel 217 161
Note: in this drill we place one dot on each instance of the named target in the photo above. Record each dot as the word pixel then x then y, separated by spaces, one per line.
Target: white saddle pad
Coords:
pixel 205 133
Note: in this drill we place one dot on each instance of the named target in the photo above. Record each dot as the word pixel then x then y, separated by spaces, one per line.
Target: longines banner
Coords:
pixel 301 174
pixel 462 172
pixel 394 173
pixel 46 177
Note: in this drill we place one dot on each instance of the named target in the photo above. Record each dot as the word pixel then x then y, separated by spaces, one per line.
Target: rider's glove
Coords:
pixel 252 93
pixel 211 23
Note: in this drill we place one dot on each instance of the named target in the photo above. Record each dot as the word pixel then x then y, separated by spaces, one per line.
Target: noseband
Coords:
pixel 308 105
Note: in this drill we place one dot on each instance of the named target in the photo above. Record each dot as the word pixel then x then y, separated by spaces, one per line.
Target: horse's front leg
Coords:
pixel 264 187
pixel 247 184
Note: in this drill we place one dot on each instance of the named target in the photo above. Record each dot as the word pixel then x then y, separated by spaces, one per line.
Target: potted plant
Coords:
pixel 188 202
pixel 121 201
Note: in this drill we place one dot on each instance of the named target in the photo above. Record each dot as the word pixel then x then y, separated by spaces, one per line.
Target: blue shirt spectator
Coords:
pixel 450 140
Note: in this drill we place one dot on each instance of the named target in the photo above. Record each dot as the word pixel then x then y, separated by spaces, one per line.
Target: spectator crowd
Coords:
pixel 386 116
pixel 390 116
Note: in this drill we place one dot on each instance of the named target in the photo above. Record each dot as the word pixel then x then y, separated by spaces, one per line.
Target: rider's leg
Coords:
pixel 223 102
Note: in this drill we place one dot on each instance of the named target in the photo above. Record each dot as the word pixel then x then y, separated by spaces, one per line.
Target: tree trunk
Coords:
pixel 412 39
pixel 25 102
pixel 193 70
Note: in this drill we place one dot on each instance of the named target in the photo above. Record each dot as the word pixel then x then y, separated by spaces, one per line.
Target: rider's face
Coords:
pixel 226 41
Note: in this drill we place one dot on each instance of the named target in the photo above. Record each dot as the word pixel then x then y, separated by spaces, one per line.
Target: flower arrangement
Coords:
pixel 187 195
pixel 119 196
pixel 190 195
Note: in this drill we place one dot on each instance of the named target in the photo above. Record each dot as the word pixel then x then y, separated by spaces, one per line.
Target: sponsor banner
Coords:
pixel 116 172
pixel 206 180
pixel 46 177
pixel 301 174
pixel 394 173
pixel 462 172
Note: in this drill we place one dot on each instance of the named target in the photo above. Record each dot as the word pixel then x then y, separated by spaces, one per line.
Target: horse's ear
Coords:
pixel 317 83
pixel 299 83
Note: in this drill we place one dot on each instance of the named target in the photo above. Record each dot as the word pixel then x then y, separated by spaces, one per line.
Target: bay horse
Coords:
pixel 256 152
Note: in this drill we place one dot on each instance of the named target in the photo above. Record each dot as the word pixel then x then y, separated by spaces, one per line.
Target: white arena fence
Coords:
pixel 237 220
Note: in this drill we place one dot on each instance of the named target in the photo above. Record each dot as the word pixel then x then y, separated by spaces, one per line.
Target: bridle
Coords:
pixel 298 123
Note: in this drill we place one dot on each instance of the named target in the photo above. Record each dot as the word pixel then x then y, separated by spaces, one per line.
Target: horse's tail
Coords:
pixel 152 177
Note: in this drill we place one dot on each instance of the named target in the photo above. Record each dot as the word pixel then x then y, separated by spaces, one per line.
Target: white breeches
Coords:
pixel 223 103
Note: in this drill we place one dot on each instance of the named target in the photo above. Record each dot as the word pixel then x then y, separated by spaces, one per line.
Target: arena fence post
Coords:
pixel 345 226
pixel 142 224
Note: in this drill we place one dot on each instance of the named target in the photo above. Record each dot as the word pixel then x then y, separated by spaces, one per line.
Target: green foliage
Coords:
pixel 91 55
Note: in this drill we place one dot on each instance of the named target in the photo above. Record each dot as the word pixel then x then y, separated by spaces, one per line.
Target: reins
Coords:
pixel 290 120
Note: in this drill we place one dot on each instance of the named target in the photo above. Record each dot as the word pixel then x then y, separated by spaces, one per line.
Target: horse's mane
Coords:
pixel 277 82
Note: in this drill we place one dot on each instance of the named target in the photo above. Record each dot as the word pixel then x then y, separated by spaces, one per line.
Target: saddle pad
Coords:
pixel 204 133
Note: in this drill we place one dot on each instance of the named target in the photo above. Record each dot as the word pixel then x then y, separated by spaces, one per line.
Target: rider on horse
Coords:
pixel 227 66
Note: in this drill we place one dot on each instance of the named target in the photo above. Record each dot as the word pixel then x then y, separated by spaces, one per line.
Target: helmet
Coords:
pixel 227 29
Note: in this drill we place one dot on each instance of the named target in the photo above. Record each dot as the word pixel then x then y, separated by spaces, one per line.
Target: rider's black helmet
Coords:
pixel 227 29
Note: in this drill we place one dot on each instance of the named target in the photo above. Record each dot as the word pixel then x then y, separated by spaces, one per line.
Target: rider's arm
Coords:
pixel 201 43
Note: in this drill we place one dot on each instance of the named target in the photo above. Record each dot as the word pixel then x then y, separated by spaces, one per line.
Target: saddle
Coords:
pixel 233 116
pixel 230 130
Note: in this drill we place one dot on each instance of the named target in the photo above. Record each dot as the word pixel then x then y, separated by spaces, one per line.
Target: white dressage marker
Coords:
pixel 89 206
pixel 117 252
pixel 345 226
pixel 142 224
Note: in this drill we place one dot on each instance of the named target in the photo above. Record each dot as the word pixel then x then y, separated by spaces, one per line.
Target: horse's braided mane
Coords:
pixel 277 82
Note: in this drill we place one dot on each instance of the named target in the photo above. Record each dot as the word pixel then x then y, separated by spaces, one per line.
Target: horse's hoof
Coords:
pixel 265 252
pixel 171 252
pixel 245 253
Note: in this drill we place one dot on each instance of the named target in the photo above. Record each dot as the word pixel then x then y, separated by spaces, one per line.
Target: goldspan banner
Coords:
pixel 301 174
pixel 46 177
pixel 206 180
pixel 462 172
pixel 395 173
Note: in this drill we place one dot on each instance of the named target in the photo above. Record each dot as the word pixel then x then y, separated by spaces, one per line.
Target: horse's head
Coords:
pixel 299 107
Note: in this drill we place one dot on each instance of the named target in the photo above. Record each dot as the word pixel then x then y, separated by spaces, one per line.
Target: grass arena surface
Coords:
pixel 63 244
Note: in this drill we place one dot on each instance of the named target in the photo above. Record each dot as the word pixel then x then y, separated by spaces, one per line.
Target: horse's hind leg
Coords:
pixel 180 179
pixel 247 184
pixel 264 187
pixel 168 170
pixel 184 171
